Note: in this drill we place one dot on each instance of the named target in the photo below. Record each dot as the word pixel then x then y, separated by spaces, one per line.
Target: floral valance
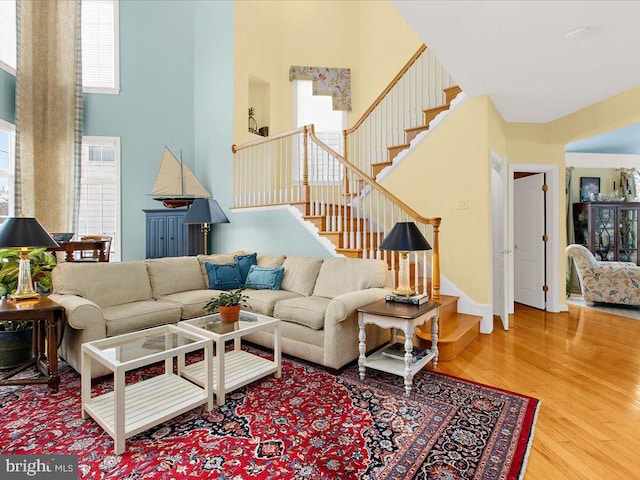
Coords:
pixel 327 81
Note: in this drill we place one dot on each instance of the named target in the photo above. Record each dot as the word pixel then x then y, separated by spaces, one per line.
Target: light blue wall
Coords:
pixel 268 232
pixel 7 97
pixel 176 79
pixel 154 108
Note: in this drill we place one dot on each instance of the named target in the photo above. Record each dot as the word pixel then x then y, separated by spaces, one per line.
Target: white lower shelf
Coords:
pixel 147 403
pixel 395 366
pixel 240 368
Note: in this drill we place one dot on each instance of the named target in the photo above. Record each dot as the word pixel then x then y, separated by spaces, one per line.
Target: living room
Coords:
pixel 184 70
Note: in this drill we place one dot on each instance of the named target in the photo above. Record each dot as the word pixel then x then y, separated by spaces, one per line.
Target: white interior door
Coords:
pixel 499 250
pixel 529 246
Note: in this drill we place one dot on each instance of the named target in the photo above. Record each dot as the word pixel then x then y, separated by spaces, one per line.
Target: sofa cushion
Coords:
pixel 174 274
pixel 264 278
pixel 343 275
pixel 263 301
pixel 307 311
pixel 244 263
pixel 219 258
pixel 192 302
pixel 266 260
pixel 135 316
pixel 300 274
pixel 223 276
pixel 105 284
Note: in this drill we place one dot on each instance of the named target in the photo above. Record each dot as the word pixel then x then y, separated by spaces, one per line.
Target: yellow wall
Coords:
pixel 451 166
pixel 615 112
pixel 369 37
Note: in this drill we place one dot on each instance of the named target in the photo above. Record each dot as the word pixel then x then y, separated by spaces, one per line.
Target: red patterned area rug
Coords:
pixel 309 424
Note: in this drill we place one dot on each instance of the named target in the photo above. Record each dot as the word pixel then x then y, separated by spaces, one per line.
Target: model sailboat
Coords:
pixel 176 185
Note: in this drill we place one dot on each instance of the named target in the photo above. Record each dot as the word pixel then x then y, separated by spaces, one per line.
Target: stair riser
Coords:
pixel 337 238
pixel 413 133
pixel 376 168
pixel 432 113
pixel 451 93
pixel 394 151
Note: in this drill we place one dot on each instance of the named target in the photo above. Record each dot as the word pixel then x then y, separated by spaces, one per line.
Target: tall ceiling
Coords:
pixel 519 52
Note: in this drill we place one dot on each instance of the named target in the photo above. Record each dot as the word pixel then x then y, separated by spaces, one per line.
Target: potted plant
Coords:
pixel 228 305
pixel 15 336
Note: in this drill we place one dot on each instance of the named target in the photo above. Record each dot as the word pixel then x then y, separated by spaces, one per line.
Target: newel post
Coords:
pixel 305 193
pixel 435 281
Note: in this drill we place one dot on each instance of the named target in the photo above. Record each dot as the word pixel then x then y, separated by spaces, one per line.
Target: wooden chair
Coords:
pixel 93 255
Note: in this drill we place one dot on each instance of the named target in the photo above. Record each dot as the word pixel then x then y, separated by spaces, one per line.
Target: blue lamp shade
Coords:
pixel 24 232
pixel 405 237
pixel 205 210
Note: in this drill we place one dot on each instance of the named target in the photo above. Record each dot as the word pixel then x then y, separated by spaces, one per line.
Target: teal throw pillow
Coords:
pixel 264 278
pixel 223 277
pixel 244 264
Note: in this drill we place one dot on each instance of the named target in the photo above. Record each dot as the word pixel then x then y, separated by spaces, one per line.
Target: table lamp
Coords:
pixel 404 237
pixel 24 234
pixel 205 211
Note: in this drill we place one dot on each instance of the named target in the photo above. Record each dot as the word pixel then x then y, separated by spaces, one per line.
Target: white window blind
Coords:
pixel 8 35
pixel 99 190
pixel 100 69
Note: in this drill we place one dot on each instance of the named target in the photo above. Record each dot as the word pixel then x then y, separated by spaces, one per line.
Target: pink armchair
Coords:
pixel 607 282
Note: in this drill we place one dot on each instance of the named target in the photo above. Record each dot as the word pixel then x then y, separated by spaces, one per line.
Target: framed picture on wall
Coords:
pixel 589 188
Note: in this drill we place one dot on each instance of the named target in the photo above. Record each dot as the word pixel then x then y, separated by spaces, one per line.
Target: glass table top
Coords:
pixel 212 323
pixel 139 347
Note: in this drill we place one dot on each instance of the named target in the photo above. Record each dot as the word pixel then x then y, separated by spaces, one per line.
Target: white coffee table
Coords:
pixel 129 410
pixel 236 368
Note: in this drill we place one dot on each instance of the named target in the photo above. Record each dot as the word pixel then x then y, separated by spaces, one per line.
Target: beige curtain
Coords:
pixel 49 112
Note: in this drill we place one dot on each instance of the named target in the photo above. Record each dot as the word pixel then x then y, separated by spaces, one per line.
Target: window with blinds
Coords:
pixel 329 124
pixel 99 190
pixel 100 47
pixel 100 58
pixel 8 36
pixel 7 171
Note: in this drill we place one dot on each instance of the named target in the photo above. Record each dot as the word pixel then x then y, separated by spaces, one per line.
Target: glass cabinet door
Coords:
pixel 604 234
pixel 628 235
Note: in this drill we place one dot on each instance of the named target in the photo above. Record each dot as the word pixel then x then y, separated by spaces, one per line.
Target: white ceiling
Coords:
pixel 516 51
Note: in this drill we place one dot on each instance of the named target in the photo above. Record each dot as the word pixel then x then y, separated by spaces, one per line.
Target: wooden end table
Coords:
pixel 45 315
pixel 406 318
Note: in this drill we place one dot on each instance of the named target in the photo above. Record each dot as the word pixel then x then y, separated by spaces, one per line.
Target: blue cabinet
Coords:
pixel 167 236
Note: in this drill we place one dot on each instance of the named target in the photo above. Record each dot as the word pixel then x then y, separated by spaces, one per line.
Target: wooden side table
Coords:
pixel 405 317
pixel 45 315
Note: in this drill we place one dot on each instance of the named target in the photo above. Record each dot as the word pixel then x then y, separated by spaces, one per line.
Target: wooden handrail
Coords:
pixel 372 182
pixel 396 79
pixel 288 133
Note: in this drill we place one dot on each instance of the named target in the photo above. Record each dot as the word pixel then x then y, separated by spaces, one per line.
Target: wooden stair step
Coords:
pixel 350 252
pixel 451 93
pixel 319 221
pixel 431 113
pixel 376 168
pixel 411 133
pixel 456 332
pixel 394 150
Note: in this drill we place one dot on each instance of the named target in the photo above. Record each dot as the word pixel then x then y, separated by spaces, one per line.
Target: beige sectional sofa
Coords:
pixel 316 301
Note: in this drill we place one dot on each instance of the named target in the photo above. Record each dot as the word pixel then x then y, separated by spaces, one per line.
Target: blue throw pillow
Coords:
pixel 244 264
pixel 264 278
pixel 223 277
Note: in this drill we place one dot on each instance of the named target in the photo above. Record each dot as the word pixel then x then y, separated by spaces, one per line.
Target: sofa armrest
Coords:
pixel 616 264
pixel 344 305
pixel 81 313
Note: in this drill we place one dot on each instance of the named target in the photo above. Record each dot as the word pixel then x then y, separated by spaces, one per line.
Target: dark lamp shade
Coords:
pixel 20 232
pixel 405 237
pixel 205 210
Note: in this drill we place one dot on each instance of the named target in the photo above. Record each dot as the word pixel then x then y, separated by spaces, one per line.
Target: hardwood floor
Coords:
pixel 584 366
